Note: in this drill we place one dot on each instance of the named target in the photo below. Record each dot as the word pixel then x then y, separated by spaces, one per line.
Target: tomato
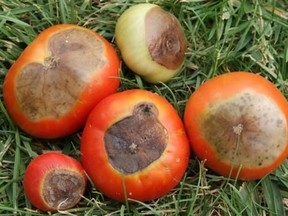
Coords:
pixel 52 87
pixel 54 181
pixel 152 42
pixel 237 122
pixel 134 146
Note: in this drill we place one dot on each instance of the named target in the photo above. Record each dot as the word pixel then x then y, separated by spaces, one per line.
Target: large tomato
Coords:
pixel 237 122
pixel 52 87
pixel 134 146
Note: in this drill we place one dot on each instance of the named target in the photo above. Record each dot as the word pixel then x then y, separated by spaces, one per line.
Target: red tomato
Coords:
pixel 237 122
pixel 52 87
pixel 54 181
pixel 134 146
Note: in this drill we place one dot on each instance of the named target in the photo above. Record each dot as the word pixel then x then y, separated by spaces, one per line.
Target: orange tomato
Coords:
pixel 52 87
pixel 134 146
pixel 54 181
pixel 237 122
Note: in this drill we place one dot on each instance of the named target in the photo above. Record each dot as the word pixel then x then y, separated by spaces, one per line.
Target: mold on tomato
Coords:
pixel 246 125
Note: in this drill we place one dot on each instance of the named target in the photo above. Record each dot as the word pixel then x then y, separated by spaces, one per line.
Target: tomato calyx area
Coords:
pixel 62 188
pixel 50 87
pixel 134 142
pixel 247 129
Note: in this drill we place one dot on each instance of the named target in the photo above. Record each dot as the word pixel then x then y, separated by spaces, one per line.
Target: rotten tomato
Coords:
pixel 238 123
pixel 134 146
pixel 52 87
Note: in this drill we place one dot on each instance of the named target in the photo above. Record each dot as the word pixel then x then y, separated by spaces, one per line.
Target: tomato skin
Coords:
pixel 40 167
pixel 215 91
pixel 151 182
pixel 102 83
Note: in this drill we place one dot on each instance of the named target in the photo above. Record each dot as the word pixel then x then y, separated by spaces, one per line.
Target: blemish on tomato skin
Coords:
pixel 42 88
pixel 62 188
pixel 256 132
pixel 135 141
pixel 166 43
pixel 167 169
pixel 279 122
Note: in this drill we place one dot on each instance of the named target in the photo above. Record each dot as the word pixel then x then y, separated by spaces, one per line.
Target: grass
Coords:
pixel 223 36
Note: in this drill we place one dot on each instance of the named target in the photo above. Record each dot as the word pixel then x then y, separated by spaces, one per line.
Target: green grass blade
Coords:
pixel 16 171
pixel 273 197
pixel 14 20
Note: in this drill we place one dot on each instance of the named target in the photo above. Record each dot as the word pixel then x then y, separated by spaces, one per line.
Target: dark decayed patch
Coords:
pixel 165 38
pixel 137 140
pixel 50 89
pixel 62 189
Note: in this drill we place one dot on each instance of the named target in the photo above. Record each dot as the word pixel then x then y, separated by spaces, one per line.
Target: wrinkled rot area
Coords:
pixel 137 140
pixel 247 129
pixel 50 89
pixel 62 189
pixel 165 38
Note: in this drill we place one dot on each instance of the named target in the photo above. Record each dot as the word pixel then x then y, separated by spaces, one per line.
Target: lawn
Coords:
pixel 223 36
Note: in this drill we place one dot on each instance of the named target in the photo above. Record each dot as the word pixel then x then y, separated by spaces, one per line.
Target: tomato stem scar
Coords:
pixel 238 129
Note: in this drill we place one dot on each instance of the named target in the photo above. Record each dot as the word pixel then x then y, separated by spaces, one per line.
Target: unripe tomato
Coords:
pixel 238 123
pixel 54 181
pixel 51 88
pixel 152 42
pixel 134 146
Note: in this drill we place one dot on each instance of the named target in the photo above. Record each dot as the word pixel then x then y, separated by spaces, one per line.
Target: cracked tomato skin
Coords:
pixel 134 146
pixel 237 123
pixel 52 87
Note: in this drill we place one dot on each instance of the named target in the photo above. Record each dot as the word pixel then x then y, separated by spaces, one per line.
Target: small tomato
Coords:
pixel 54 181
pixel 134 146
pixel 52 87
pixel 237 122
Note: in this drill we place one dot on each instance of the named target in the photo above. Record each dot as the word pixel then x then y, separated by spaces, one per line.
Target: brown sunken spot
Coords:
pixel 165 38
pixel 137 140
pixel 62 189
pixel 50 89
